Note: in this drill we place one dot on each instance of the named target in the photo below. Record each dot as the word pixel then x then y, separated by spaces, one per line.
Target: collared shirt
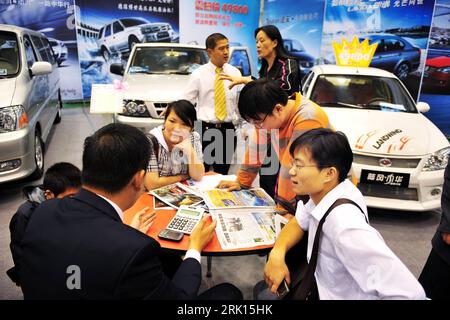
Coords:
pixel 170 163
pixel 200 91
pixel 191 253
pixel 354 262
pixel 115 206
pixel 305 116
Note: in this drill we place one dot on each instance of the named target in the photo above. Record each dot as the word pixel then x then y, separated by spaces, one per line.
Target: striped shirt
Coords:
pixel 170 163
pixel 306 116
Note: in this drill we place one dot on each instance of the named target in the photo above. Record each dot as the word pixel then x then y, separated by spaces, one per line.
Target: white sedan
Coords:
pixel 399 155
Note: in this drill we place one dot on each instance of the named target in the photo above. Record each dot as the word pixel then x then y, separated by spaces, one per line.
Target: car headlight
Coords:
pixel 12 118
pixel 438 160
pixel 135 108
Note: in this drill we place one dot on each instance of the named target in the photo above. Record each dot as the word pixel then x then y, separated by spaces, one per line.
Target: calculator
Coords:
pixel 186 219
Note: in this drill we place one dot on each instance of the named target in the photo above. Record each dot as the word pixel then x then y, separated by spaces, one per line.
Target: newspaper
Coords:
pixel 244 228
pixel 246 198
pixel 176 195
pixel 158 204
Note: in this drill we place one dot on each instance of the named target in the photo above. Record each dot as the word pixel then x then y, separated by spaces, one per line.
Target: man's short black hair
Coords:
pixel 61 176
pixel 259 97
pixel 212 39
pixel 184 109
pixel 113 155
pixel 327 148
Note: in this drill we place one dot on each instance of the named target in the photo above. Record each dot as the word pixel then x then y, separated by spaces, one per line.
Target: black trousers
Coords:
pixel 435 277
pixel 218 145
pixel 223 291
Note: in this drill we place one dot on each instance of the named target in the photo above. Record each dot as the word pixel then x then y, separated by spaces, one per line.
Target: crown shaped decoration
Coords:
pixel 354 53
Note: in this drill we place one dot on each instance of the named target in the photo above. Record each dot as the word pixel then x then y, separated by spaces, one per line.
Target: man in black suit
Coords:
pixel 78 248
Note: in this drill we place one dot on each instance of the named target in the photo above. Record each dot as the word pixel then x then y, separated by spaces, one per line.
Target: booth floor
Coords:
pixel 408 234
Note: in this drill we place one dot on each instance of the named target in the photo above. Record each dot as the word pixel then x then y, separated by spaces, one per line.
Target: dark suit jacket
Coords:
pixel 439 245
pixel 17 227
pixel 115 260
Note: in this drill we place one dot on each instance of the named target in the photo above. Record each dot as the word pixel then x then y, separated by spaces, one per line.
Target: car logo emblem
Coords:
pixel 385 162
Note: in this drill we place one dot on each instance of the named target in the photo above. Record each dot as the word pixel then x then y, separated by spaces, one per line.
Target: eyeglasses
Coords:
pixel 258 123
pixel 295 165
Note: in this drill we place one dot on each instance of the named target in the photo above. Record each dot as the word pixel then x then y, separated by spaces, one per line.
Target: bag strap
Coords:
pixel 308 279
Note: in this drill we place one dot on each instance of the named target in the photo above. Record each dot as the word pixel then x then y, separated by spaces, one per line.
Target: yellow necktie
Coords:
pixel 220 102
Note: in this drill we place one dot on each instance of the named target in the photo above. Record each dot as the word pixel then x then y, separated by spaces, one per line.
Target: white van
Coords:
pixel 30 101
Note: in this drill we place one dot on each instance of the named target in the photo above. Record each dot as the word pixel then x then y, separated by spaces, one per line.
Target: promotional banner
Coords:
pixel 107 29
pixel 236 19
pixel 401 29
pixel 436 78
pixel 300 23
pixel 56 20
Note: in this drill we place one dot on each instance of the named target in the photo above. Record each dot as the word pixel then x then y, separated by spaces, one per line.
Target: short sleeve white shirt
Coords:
pixel 353 262
pixel 200 91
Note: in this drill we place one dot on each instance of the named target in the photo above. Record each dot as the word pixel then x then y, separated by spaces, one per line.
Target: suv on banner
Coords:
pixel 399 156
pixel 121 34
pixel 158 73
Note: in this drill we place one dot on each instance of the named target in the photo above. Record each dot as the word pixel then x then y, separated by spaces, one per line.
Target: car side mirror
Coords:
pixel 116 68
pixel 423 107
pixel 41 68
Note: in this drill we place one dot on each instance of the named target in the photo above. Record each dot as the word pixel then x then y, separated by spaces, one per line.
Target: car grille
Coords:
pixel 160 107
pixel 151 29
pixel 379 191
pixel 396 163
pixel 163 34
pixel 431 69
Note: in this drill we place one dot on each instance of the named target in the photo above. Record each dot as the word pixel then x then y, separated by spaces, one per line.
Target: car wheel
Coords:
pixel 106 55
pixel 60 105
pixel 402 71
pixel 38 157
pixel 131 42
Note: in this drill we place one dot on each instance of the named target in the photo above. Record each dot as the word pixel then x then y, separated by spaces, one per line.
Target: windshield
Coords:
pixel 362 92
pixel 166 60
pixel 9 54
pixel 131 22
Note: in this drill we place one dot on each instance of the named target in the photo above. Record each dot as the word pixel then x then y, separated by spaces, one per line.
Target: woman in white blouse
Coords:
pixel 175 149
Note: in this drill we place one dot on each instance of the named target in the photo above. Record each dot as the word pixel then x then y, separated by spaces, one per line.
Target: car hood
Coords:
pixel 387 133
pixel 155 87
pixel 7 89
pixel 438 62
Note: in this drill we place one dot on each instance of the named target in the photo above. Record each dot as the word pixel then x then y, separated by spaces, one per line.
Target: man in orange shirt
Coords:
pixel 280 120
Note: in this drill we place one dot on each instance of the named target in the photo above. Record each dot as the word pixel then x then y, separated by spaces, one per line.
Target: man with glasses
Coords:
pixel 353 262
pixel 264 104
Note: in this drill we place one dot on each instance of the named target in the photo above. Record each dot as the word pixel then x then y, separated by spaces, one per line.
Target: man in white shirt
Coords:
pixel 216 104
pixel 353 261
